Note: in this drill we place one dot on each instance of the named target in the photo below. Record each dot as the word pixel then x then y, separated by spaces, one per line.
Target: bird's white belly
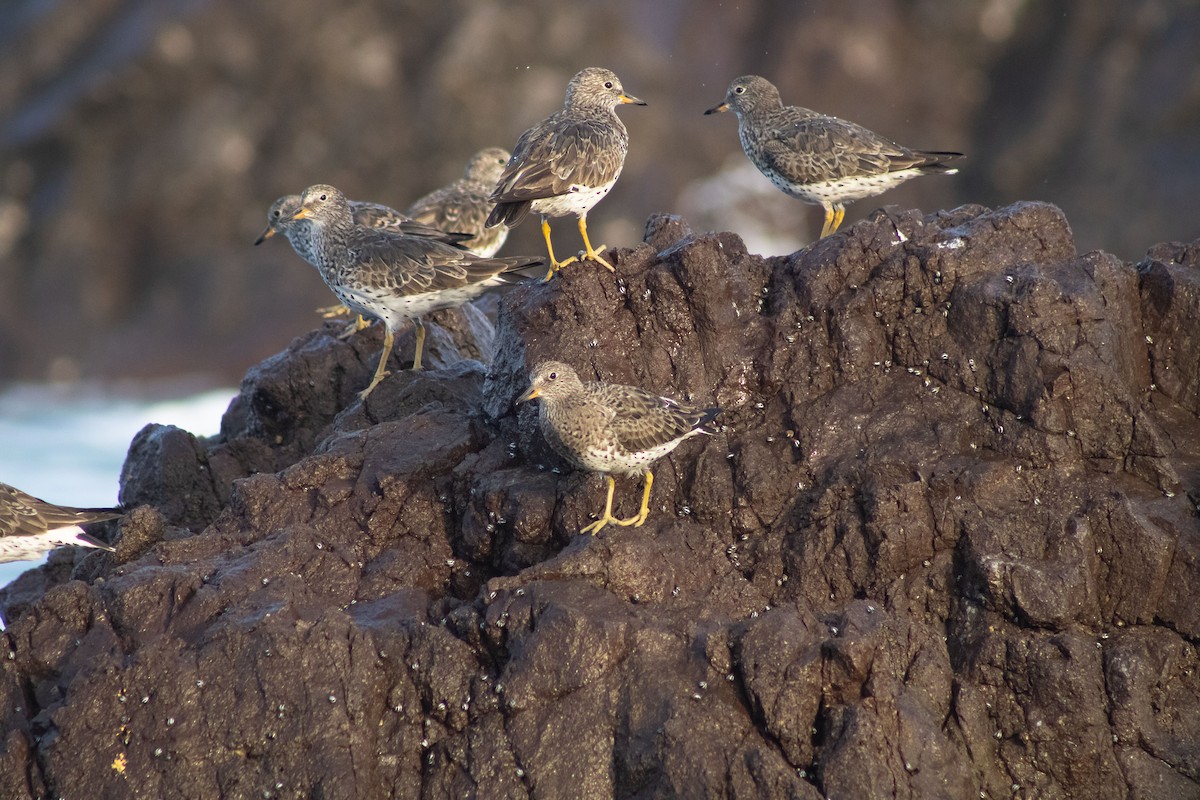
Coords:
pixel 611 459
pixel 844 190
pixel 578 201
pixel 25 548
pixel 395 309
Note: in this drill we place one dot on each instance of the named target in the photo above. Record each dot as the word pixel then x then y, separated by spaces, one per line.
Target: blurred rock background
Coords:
pixel 141 141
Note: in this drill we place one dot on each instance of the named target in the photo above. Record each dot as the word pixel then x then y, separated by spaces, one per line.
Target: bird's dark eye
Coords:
pixel 608 84
pixel 322 197
pixel 552 376
pixel 739 89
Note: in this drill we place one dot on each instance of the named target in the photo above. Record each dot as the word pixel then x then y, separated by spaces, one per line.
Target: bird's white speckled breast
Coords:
pixel 578 202
pixel 25 548
pixel 394 308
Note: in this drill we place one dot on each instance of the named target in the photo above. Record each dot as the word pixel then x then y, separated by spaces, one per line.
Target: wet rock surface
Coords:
pixel 945 544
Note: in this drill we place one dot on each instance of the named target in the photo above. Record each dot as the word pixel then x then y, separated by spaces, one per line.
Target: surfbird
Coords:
pixel 29 526
pixel 463 206
pixel 393 276
pixel 611 428
pixel 567 162
pixel 817 158
pixel 281 219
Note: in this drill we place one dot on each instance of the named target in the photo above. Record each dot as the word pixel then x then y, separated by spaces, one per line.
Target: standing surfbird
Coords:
pixel 281 219
pixel 567 162
pixel 817 158
pixel 393 276
pixel 29 526
pixel 463 206
pixel 609 427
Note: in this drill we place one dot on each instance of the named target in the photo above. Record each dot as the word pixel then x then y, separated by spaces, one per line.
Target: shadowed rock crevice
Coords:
pixel 940 546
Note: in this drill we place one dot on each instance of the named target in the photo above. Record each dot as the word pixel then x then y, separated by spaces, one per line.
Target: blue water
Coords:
pixel 66 445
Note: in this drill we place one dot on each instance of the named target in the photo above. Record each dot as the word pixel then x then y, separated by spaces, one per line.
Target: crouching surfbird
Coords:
pixel 567 162
pixel 611 428
pixel 463 206
pixel 817 158
pixel 393 276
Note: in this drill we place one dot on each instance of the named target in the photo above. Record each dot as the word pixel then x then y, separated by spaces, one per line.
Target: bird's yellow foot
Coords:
pixel 354 327
pixel 607 516
pixel 555 266
pixel 379 376
pixel 594 528
pixel 594 255
pixel 329 312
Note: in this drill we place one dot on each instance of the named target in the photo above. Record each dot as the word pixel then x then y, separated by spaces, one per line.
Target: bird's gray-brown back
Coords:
pixel 392 275
pixel 281 219
pixel 463 205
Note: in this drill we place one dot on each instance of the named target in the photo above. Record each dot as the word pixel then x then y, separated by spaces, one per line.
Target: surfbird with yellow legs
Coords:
pixel 611 428
pixel 817 158
pixel 463 206
pixel 281 220
pixel 567 162
pixel 393 276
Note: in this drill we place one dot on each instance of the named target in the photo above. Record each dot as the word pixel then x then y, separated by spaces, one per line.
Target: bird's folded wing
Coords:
pixel 555 158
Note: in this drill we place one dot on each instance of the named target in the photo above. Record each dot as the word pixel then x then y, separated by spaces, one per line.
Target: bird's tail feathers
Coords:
pixel 87 540
pixel 934 162
pixel 708 415
pixel 508 214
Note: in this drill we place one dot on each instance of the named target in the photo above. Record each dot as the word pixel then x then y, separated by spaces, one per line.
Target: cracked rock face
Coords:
pixel 945 544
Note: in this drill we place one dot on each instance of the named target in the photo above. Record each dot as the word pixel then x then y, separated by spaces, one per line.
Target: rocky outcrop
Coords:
pixel 944 545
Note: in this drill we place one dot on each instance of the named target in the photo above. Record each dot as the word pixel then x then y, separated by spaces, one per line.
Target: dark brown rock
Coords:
pixel 942 546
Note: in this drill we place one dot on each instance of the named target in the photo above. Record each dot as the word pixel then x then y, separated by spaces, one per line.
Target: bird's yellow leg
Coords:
pixel 827 228
pixel 839 214
pixel 593 255
pixel 640 517
pixel 380 371
pixel 420 344
pixel 555 265
pixel 595 527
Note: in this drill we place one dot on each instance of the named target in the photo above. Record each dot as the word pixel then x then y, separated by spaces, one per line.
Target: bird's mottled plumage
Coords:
pixel 818 158
pixel 611 428
pixel 29 526
pixel 281 219
pixel 569 161
pixel 393 276
pixel 463 206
